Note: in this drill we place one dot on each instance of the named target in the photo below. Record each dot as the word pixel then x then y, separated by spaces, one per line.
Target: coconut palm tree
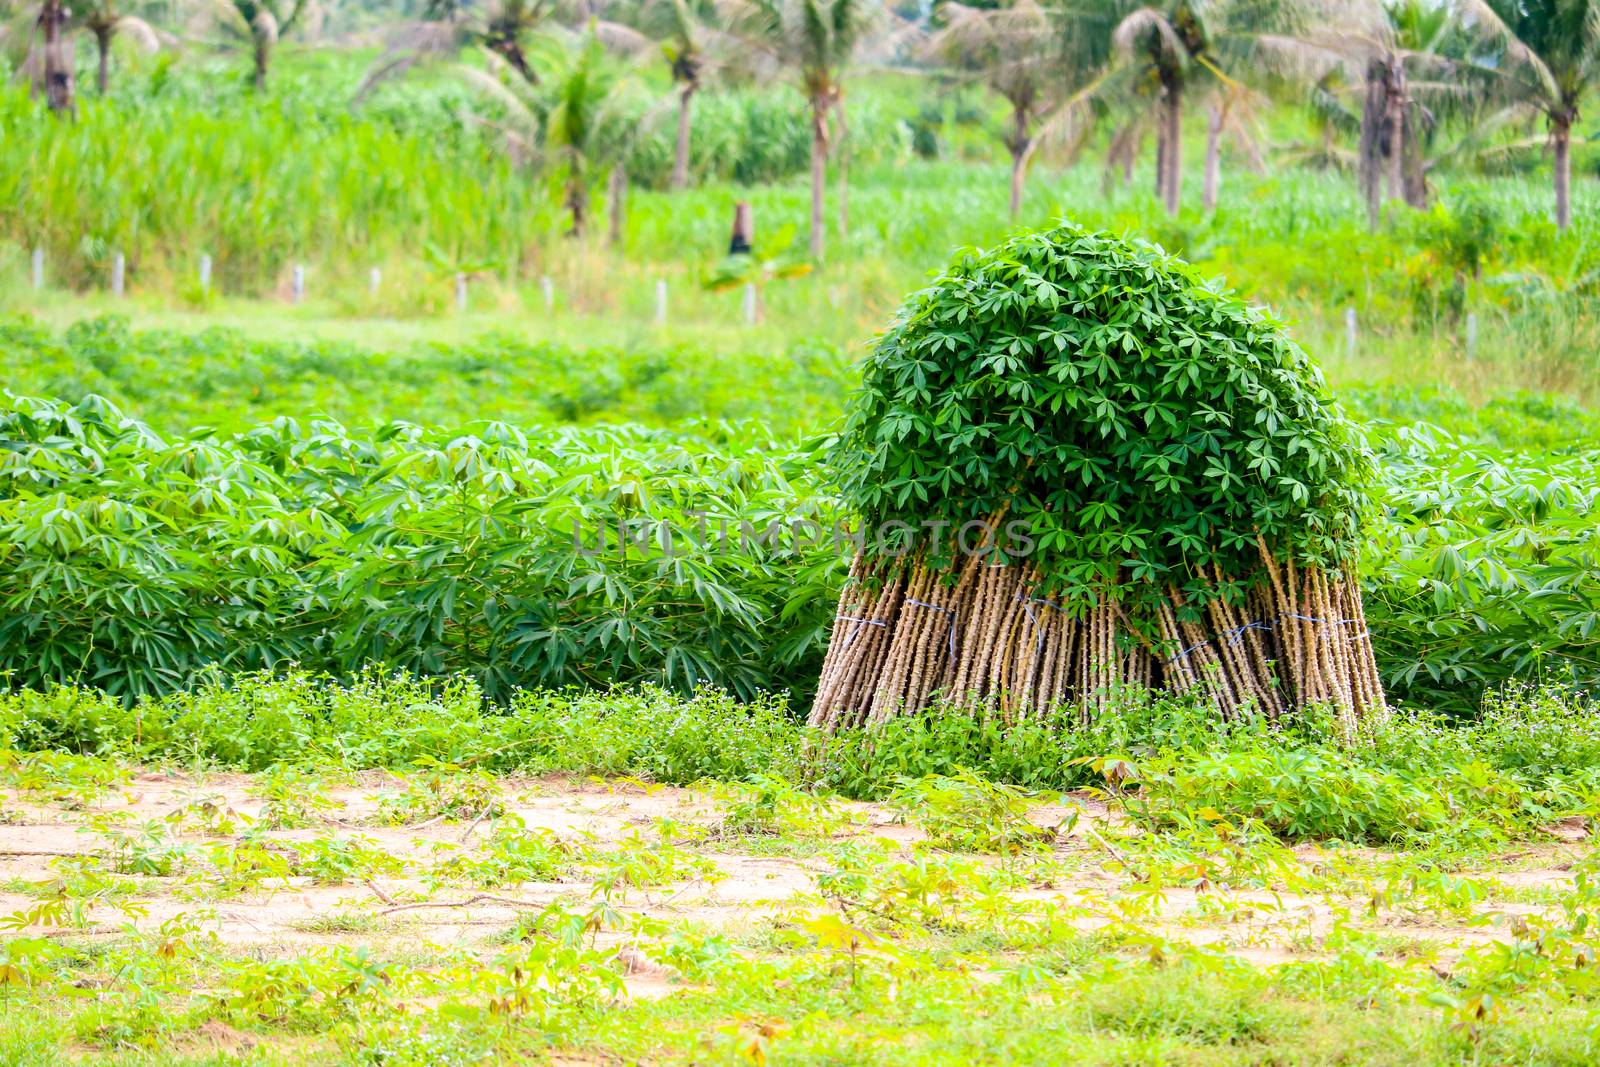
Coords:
pixel 581 120
pixel 683 31
pixel 816 39
pixel 587 133
pixel 1041 61
pixel 1164 47
pixel 263 23
pixel 1187 47
pixel 503 29
pixel 1407 64
pixel 104 22
pixel 684 42
pixel 1426 40
pixel 1546 58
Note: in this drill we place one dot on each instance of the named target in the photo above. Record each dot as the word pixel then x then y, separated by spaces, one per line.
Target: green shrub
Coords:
pixel 649 734
pixel 68 717
pixel 1190 1003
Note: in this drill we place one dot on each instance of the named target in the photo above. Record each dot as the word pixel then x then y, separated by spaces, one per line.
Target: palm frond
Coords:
pixel 1147 26
pixel 140 32
pixel 621 39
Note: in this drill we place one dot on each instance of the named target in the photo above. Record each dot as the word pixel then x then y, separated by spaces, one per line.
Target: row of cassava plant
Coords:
pixel 565 556
pixel 135 558
pixel 230 380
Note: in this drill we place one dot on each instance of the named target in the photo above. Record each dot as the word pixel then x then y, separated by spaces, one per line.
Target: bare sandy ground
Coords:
pixel 754 880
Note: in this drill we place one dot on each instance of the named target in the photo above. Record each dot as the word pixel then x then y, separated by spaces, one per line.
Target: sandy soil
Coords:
pixel 403 914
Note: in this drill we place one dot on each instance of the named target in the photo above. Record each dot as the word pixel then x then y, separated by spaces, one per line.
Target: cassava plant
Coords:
pixel 1180 500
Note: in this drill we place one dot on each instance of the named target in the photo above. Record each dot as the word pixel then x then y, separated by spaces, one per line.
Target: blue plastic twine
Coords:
pixel 947 611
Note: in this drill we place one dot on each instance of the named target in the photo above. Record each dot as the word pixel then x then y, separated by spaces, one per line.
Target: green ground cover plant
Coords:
pixel 229 381
pixel 1530 758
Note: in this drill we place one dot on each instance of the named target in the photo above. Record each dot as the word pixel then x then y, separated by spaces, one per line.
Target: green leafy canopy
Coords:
pixel 1143 422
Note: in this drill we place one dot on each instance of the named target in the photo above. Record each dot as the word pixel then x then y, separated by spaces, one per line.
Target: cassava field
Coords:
pixel 445 609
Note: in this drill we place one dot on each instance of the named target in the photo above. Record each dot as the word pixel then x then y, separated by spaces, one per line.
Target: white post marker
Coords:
pixel 205 275
pixel 549 294
pixel 119 268
pixel 38 268
pixel 461 292
pixel 299 283
pixel 1350 332
pixel 374 280
pixel 661 302
pixel 1472 335
pixel 750 304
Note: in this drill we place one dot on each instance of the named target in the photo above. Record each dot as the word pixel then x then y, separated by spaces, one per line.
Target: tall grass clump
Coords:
pixel 256 186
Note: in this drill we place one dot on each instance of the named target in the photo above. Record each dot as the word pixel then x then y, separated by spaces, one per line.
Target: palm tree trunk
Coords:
pixel 1020 144
pixel 1369 167
pixel 1395 127
pixel 102 44
pixel 1172 118
pixel 616 203
pixel 57 73
pixel 1161 159
pixel 844 172
pixel 1019 176
pixel 680 158
pixel 578 205
pixel 1414 175
pixel 263 35
pixel 819 174
pixel 1561 138
pixel 1213 158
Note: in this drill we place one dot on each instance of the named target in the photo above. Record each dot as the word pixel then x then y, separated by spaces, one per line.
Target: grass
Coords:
pixel 408 189
pixel 1527 760
pixel 1160 925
